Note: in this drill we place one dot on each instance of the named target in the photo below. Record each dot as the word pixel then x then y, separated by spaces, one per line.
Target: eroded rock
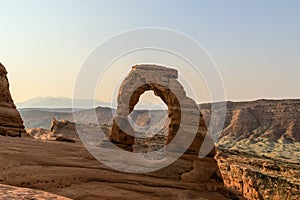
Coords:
pixel 11 123
pixel 62 130
pixel 66 131
pixel 183 112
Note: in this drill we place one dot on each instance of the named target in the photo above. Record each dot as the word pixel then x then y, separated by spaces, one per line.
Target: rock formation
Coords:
pixel 65 131
pixel 185 120
pixel 11 123
pixel 183 112
pixel 62 130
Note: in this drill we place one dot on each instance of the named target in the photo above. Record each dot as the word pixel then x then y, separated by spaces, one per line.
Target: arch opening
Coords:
pixel 149 118
pixel 170 100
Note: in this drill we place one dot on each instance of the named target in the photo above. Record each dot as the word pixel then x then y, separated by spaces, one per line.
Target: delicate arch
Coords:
pixel 163 82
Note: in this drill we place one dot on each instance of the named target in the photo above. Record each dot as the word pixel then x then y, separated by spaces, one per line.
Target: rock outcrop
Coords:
pixel 65 131
pixel 62 130
pixel 11 123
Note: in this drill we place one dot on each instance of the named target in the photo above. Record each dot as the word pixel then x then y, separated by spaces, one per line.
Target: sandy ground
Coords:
pixel 67 169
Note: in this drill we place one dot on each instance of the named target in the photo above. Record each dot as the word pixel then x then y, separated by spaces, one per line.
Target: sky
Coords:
pixel 255 44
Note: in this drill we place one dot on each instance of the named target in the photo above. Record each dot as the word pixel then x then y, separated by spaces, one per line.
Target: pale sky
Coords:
pixel 255 44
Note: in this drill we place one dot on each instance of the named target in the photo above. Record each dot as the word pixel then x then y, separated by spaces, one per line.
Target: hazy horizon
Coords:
pixel 150 102
pixel 254 44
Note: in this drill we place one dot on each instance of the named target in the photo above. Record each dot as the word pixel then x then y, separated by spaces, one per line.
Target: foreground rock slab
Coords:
pixel 67 169
pixel 16 193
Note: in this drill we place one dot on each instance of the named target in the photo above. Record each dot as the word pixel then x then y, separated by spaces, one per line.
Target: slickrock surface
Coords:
pixel 11 123
pixel 17 193
pixel 67 169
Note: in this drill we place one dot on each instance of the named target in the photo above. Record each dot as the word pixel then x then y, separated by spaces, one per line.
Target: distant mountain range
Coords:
pixel 66 103
pixel 59 102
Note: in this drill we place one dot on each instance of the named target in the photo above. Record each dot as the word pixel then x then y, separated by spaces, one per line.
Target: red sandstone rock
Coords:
pixel 183 112
pixel 10 192
pixel 11 123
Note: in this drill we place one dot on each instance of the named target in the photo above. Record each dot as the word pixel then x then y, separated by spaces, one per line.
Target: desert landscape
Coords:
pixel 149 100
pixel 257 155
pixel 264 166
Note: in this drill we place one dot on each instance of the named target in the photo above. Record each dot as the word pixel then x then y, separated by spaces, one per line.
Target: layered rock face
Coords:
pixel 259 177
pixel 273 120
pixel 11 123
pixel 259 148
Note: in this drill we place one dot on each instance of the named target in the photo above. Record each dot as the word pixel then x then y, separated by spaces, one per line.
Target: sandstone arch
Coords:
pixel 185 119
pixel 163 82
